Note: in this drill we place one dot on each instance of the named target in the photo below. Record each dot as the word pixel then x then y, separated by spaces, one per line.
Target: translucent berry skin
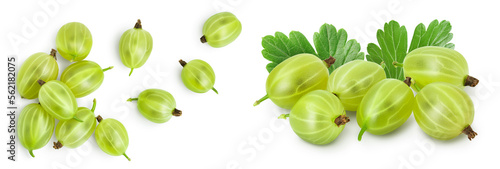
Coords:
pixel 351 81
pixel 37 66
pixel 443 110
pixel 72 133
pixel 35 127
pixel 385 107
pixel 57 100
pixel 295 77
pixel 156 105
pixel 313 117
pixel 431 64
pixel 221 29
pixel 198 76
pixel 83 77
pixel 111 136
pixel 135 47
pixel 74 41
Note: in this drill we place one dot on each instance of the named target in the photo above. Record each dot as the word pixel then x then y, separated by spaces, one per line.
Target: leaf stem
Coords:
pixel 261 100
pixel 77 119
pixel 397 64
pixel 132 99
pixel 93 105
pixel 284 116
pixel 131 70
pixel 126 156
pixel 215 90
pixel 382 64
pixel 31 153
pixel 360 135
pixel 105 69
pixel 414 83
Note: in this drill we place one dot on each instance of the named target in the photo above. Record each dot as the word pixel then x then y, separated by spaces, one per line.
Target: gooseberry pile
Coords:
pixel 57 98
pixel 318 103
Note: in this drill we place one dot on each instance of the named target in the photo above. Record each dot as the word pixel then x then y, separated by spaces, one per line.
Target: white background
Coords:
pixel 225 130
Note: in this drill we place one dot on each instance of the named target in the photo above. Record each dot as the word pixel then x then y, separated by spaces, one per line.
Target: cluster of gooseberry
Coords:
pixel 319 101
pixel 57 98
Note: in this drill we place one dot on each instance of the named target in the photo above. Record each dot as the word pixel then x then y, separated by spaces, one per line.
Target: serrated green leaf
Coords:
pixel 301 43
pixel 279 47
pixel 271 66
pixel 330 42
pixel 438 34
pixel 450 45
pixel 374 54
pixel 393 41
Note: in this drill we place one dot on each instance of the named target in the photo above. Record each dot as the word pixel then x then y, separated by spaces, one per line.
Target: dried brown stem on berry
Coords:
pixel 99 118
pixel 138 24
pixel 469 132
pixel 183 63
pixel 57 145
pixel 471 81
pixel 330 61
pixel 342 120
pixel 177 112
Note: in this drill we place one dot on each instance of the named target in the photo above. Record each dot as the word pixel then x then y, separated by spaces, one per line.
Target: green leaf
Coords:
pixel 438 34
pixel 330 42
pixel 279 47
pixel 393 41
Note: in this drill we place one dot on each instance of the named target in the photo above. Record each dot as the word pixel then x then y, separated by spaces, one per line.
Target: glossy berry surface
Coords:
pixel 74 41
pixel 35 127
pixel 295 77
pixel 351 81
pixel 135 47
pixel 112 137
pixel 37 66
pixel 437 64
pixel 83 77
pixel 318 117
pixel 444 111
pixel 156 105
pixel 221 29
pixel 57 100
pixel 198 76
pixel 72 133
pixel 385 107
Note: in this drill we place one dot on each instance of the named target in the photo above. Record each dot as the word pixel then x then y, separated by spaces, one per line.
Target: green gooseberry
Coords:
pixel 295 77
pixel 57 100
pixel 74 41
pixel 135 47
pixel 444 111
pixel 198 76
pixel 111 136
pixel 351 81
pixel 318 117
pixel 221 29
pixel 72 133
pixel 431 64
pixel 83 77
pixel 35 127
pixel 156 105
pixel 37 66
pixel 385 107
